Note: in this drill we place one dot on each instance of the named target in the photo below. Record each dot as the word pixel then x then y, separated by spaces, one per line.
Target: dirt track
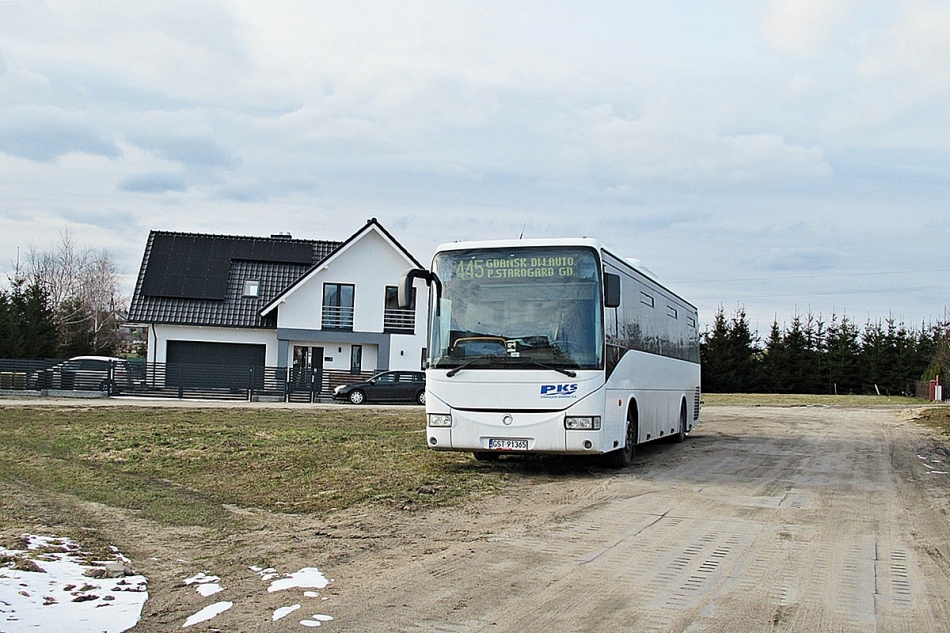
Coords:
pixel 793 519
pixel 766 519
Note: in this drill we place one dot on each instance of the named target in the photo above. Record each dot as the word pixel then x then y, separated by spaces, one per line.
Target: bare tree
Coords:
pixel 83 287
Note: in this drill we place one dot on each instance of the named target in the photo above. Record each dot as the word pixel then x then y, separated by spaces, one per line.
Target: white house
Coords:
pixel 317 308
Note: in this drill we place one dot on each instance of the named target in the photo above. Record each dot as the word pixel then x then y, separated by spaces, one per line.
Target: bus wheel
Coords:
pixel 622 458
pixel 486 457
pixel 681 436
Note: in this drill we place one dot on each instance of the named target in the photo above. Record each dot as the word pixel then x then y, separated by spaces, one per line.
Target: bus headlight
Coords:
pixel 440 419
pixel 582 423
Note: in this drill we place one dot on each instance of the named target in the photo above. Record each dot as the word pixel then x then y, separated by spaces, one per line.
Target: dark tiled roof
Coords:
pixel 194 279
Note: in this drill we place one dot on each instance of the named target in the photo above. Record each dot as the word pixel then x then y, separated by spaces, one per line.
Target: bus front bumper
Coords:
pixel 519 432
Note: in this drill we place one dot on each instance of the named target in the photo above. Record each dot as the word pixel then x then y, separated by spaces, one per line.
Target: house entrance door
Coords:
pixel 306 374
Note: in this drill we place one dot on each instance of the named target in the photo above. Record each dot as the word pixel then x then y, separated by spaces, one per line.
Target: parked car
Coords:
pixel 388 386
pixel 90 373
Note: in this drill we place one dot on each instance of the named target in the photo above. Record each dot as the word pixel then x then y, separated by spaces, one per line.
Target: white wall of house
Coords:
pixel 370 263
pixel 406 351
pixel 159 335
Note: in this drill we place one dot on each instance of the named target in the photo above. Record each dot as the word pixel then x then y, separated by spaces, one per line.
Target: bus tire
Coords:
pixel 681 435
pixel 623 457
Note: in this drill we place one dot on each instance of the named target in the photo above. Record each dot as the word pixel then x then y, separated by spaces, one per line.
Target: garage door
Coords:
pixel 201 353
pixel 188 361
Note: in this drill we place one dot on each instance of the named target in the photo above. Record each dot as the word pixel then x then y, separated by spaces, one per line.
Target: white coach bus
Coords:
pixel 554 346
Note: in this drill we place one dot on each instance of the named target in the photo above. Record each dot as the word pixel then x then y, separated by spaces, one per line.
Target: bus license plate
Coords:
pixel 507 445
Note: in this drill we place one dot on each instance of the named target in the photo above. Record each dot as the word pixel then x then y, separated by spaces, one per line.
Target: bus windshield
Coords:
pixel 518 308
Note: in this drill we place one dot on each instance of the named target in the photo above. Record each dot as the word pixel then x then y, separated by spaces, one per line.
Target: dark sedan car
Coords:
pixel 389 386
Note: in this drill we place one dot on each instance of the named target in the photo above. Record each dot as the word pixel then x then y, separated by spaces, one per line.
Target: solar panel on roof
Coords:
pixel 197 266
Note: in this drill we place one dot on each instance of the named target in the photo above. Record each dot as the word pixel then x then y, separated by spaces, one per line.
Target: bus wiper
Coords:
pixel 456 370
pixel 567 372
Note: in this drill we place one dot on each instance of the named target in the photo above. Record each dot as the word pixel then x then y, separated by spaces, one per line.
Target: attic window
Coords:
pixel 252 288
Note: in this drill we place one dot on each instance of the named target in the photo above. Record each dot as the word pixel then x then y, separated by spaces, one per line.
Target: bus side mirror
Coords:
pixel 404 289
pixel 611 290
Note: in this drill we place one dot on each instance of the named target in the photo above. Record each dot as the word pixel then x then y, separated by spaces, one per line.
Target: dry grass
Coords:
pixel 794 400
pixel 937 417
pixel 180 466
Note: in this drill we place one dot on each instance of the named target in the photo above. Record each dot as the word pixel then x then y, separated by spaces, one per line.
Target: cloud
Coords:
pixel 805 27
pixel 196 151
pixel 45 133
pixel 154 182
pixel 668 147
pixel 913 53
pixel 680 134
pixel 785 259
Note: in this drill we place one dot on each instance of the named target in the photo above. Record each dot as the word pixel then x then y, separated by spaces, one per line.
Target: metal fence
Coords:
pixel 135 377
pixel 927 390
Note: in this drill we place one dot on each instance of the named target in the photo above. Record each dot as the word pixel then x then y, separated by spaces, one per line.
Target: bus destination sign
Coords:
pixel 499 268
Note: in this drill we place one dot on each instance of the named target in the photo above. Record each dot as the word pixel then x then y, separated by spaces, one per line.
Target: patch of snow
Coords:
pixel 311 594
pixel 61 597
pixel 318 619
pixel 266 574
pixel 207 585
pixel 207 613
pixel 284 612
pixel 306 578
pixel 209 589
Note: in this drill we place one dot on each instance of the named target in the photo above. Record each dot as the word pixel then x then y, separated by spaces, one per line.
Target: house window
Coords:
pixel 252 289
pixel 338 306
pixel 399 320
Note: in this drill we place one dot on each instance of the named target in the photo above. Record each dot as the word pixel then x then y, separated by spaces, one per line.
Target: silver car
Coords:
pixel 91 373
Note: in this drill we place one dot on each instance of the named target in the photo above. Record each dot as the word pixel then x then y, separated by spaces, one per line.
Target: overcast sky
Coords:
pixel 785 156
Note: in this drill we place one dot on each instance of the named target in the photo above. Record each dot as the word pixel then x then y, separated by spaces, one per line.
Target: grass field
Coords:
pixel 793 400
pixel 179 466
pixel 182 466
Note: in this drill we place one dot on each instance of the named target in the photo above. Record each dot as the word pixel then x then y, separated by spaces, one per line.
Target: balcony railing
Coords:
pixel 337 318
pixel 399 321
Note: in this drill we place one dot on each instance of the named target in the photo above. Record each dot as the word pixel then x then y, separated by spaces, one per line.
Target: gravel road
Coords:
pixel 766 519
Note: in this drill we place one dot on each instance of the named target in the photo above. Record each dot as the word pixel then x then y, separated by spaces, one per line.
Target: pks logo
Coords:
pixel 564 390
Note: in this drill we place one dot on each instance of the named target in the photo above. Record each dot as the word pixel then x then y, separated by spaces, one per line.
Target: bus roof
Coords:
pixel 514 243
